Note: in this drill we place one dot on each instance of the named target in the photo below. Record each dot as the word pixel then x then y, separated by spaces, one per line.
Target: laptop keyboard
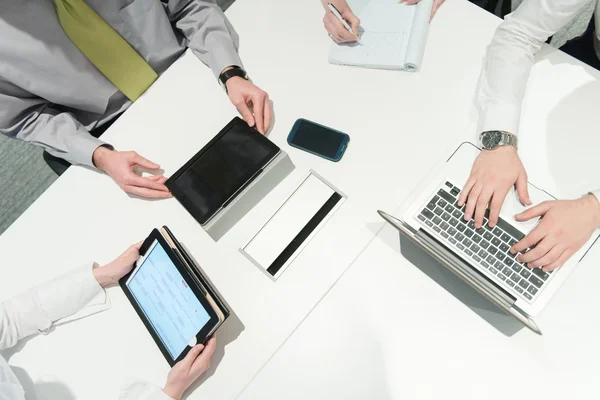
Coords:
pixel 486 247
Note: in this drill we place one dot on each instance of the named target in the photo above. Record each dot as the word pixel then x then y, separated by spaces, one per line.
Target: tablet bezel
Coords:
pixel 202 335
pixel 202 218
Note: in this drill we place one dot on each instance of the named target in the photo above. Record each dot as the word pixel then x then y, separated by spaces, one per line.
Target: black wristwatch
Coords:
pixel 230 73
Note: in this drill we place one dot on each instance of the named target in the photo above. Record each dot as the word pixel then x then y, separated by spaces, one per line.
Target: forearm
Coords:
pixel 40 307
pixel 211 36
pixel 57 132
pixel 510 57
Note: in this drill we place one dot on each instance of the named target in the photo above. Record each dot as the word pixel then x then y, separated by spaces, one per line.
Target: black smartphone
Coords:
pixel 318 139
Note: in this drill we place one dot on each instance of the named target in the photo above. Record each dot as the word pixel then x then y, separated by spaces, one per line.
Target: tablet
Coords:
pixel 168 300
pixel 221 170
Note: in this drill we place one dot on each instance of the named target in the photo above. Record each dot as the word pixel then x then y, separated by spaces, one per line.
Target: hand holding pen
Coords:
pixel 341 24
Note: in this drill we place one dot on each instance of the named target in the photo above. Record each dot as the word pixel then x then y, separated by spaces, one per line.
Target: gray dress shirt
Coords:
pixel 52 96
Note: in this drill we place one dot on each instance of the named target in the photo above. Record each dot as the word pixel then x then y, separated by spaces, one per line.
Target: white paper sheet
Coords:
pixel 393 36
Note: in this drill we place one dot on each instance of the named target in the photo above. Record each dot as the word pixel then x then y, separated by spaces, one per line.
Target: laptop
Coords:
pixel 481 257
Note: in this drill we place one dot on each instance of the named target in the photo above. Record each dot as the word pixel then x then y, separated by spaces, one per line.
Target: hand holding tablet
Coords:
pixel 186 371
pixel 171 296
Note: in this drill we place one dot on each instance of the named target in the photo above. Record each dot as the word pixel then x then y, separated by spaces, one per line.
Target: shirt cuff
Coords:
pixel 223 54
pixel 71 296
pixel 82 147
pixel 499 117
pixel 137 389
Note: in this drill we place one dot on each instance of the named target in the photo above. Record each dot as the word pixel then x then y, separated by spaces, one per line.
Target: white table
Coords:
pixel 397 325
pixel 84 215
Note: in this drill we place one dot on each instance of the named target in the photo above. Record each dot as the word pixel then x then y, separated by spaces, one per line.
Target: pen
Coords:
pixel 341 19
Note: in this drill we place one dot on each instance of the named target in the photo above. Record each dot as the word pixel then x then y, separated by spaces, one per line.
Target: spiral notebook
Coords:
pixel 392 36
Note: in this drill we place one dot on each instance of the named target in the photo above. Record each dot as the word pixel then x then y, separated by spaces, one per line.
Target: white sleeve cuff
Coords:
pixel 499 117
pixel 137 389
pixel 72 296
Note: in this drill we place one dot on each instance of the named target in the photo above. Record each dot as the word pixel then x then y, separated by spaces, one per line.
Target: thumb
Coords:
pixel 246 113
pixel 353 20
pixel 191 356
pixel 534 212
pixel 144 162
pixel 522 190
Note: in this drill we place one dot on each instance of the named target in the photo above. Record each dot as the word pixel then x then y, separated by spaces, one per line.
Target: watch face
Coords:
pixel 491 139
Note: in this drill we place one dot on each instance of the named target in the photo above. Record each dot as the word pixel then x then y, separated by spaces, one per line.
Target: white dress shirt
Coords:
pixel 71 296
pixel 510 56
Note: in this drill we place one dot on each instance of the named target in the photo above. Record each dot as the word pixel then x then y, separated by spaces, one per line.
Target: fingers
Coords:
pixel 528 241
pixel 147 193
pixel 157 178
pixel 472 201
pixel 352 20
pixel 534 212
pixel 138 245
pixel 136 180
pixel 495 207
pixel 522 190
pixel 244 111
pixel 548 258
pixel 465 192
pixel 337 30
pixel 143 162
pixel 268 114
pixel 481 207
pixel 202 363
pixel 540 250
pixel 258 105
pixel 559 261
pixel 191 356
pixel 410 2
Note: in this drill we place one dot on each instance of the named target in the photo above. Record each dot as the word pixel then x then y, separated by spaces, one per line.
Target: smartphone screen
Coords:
pixel 318 139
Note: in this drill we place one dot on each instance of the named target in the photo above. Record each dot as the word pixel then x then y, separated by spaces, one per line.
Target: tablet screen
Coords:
pixel 221 169
pixel 166 299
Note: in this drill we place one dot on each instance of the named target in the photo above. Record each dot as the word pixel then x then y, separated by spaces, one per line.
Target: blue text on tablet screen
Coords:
pixel 169 304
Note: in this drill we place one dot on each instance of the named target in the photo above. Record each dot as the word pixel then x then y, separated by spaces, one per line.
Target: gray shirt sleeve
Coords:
pixel 211 36
pixel 27 117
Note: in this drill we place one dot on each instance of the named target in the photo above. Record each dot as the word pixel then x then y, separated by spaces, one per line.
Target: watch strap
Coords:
pixel 230 73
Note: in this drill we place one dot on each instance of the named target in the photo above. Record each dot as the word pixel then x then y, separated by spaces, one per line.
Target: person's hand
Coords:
pixel 494 172
pixel 110 274
pixel 565 227
pixel 251 101
pixel 335 28
pixel 436 5
pixel 186 371
pixel 119 165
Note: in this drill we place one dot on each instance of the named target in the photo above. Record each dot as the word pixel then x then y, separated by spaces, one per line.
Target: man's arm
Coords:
pixel 211 37
pixel 502 83
pixel 27 117
pixel 510 56
pixel 214 41
pixel 37 309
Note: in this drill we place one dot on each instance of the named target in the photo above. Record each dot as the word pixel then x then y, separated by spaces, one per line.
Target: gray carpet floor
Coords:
pixel 24 177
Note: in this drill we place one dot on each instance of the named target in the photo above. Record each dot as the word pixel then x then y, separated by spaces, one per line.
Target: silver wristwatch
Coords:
pixel 491 140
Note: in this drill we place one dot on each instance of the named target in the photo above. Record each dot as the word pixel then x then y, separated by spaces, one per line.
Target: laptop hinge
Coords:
pixel 465 271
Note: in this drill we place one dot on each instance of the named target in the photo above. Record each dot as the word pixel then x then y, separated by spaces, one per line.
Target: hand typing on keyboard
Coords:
pixel 494 172
pixel 565 227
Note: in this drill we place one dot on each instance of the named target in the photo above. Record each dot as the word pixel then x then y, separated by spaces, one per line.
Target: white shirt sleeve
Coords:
pixel 71 296
pixel 510 56
pixel 136 389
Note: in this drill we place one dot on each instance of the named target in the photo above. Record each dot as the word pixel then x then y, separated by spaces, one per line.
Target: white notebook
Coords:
pixel 393 36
